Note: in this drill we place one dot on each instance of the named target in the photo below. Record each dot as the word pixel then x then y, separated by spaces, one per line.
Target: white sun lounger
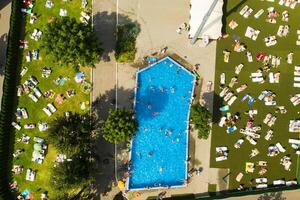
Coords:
pixel 297 85
pixel 37 92
pixel 222 121
pixel 228 96
pixel 257 79
pixel 249 56
pixel 259 186
pixel 224 92
pixel 231 101
pixel 297 68
pixel 221 149
pixel 261 180
pixel 238 68
pixel 294 141
pixel 259 13
pixel 51 107
pixel 296 73
pixel 280 147
pixel 256 74
pixel 243 11
pixel 221 158
pixel 16 125
pixel 248 13
pixel 297 78
pixel 290 183
pixel 281 2
pixel 47 111
pixel 222 78
pixel 279 182
pixel 271 77
pixel 32 97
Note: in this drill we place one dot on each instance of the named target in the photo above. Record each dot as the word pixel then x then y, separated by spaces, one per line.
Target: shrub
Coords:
pixel 126 39
pixel 201 118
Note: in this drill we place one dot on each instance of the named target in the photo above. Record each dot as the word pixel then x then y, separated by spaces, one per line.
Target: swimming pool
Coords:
pixel 160 148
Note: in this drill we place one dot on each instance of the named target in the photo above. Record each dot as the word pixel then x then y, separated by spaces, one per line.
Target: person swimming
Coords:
pixel 172 89
pixel 161 169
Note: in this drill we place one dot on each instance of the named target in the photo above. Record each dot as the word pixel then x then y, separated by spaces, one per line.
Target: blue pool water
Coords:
pixel 162 103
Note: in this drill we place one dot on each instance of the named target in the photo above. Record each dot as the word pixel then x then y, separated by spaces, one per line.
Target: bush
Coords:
pixel 119 126
pixel 126 39
pixel 9 98
pixel 201 118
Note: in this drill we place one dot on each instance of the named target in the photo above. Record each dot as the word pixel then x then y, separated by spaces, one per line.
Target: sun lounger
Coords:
pixel 232 99
pixel 47 111
pixel 256 74
pixel 293 5
pixel 259 13
pixel 239 177
pixel 280 147
pixel 16 125
pixel 260 186
pixel 269 135
pixel 238 143
pixel 221 158
pixel 244 9
pixel 248 13
pixel 24 113
pixel 238 68
pixel 279 182
pixel 30 175
pixel 281 2
pixel 296 73
pixel 297 85
pixel 221 149
pixel 257 79
pixel 294 141
pixel 290 183
pixel 249 56
pixel 222 79
pixel 33 97
pixel 262 163
pixel 224 92
pixel 37 92
pixel 226 56
pixel 297 68
pixel 295 146
pixel 261 180
pixel 290 58
pixel 251 140
pixel 280 31
pixel 51 107
pixel 222 121
pixel 297 78
pixel 228 96
pixel 271 77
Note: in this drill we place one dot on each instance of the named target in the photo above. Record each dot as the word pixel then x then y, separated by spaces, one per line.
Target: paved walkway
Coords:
pixel 4 28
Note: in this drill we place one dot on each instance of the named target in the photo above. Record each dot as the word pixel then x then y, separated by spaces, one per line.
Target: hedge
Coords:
pixel 9 99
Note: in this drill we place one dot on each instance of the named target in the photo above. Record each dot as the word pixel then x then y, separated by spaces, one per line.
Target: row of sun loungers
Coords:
pixel 50 109
pixel 270 120
pixel 252 33
pixel 297 76
pixel 283 31
pixel 246 11
pixel 270 41
pixel 289 3
pixel 228 96
pixel 298 38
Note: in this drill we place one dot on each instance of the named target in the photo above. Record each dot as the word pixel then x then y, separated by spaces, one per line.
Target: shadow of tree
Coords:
pixel 271 196
pixel 105 151
pixel 105 29
pixel 3 45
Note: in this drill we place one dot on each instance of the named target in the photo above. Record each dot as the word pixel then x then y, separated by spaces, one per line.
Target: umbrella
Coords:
pixel 79 77
pixel 121 185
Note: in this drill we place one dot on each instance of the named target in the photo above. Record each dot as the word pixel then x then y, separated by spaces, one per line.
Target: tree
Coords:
pixel 125 45
pixel 72 174
pixel 201 118
pixel 119 126
pixel 71 134
pixel 71 42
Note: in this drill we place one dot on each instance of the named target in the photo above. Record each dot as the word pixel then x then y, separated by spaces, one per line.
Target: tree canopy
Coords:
pixel 201 119
pixel 73 173
pixel 119 126
pixel 71 42
pixel 71 134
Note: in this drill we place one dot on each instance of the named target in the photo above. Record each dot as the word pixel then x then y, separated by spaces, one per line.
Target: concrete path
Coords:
pixel 5 6
pixel 104 89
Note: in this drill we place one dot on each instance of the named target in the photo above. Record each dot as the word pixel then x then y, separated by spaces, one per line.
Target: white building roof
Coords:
pixel 213 26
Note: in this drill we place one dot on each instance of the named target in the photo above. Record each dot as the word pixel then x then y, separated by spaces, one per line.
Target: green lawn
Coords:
pixel 42 182
pixel 284 90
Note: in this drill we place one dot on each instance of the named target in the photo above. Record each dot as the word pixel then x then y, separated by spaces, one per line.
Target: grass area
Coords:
pixel 212 189
pixel 35 113
pixel 238 157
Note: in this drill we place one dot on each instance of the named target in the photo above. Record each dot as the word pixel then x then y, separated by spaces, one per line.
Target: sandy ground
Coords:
pixel 4 28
